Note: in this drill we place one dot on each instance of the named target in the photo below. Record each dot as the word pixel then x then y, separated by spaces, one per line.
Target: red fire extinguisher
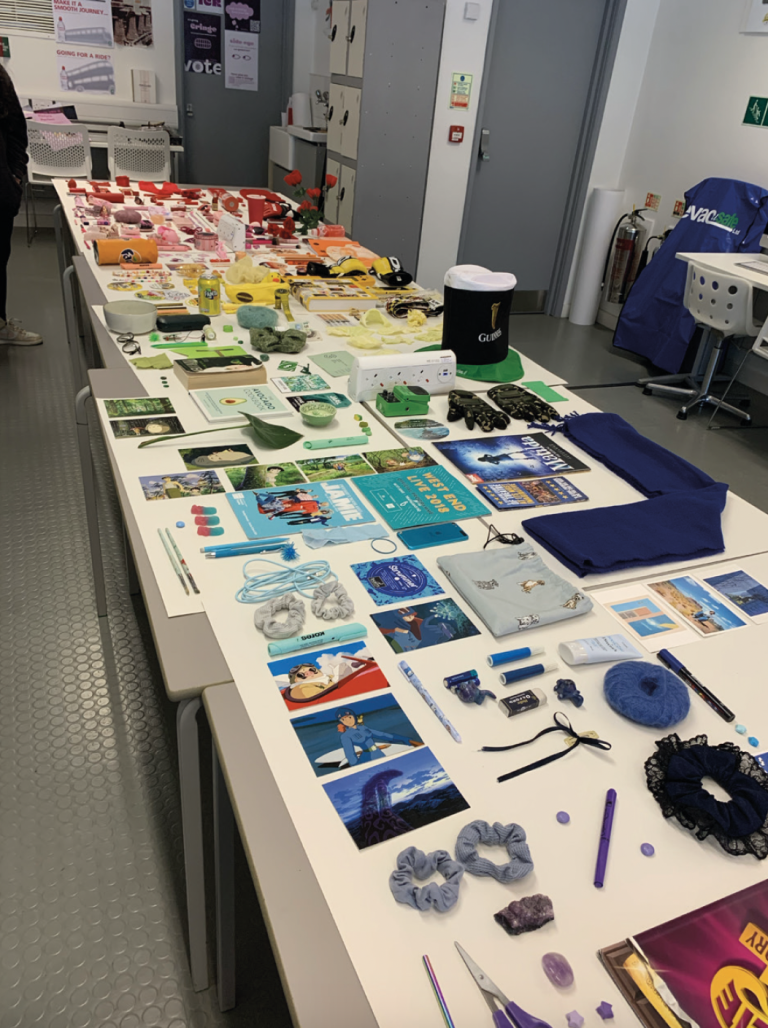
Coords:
pixel 626 256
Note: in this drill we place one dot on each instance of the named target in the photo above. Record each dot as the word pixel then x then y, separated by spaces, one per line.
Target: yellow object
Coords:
pixel 246 271
pixel 432 335
pixel 247 292
pixel 348 266
pixel 374 317
pixel 416 319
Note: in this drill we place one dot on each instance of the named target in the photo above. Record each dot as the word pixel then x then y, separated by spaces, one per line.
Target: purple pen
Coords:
pixel 605 838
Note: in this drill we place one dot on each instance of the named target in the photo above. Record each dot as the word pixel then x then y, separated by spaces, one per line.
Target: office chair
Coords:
pixel 139 153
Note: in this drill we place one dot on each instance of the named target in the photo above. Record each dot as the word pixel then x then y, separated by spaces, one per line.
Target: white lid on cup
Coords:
pixel 477 279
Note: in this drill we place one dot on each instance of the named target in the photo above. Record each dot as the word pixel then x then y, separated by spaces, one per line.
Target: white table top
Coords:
pixel 731 264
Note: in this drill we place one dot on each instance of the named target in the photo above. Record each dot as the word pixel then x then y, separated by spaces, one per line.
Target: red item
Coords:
pixel 110 197
pixel 456 134
pixel 266 194
pixel 315 193
pixel 331 180
pixel 305 205
pixel 99 185
pixel 166 189
pixel 293 178
pixel 256 206
pixel 191 194
pixel 122 180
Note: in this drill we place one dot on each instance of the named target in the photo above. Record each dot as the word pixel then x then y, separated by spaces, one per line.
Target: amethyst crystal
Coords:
pixel 526 915
pixel 557 969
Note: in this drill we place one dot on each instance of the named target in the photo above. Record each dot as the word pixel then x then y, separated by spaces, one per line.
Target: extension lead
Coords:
pixel 342 634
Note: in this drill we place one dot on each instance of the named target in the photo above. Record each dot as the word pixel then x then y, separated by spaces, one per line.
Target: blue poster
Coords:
pixel 267 512
pixel 396 579
pixel 406 499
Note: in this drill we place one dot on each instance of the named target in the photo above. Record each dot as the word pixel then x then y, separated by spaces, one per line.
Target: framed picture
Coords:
pixel 755 17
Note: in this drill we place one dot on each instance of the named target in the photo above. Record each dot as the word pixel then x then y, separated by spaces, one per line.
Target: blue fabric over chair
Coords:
pixel 722 216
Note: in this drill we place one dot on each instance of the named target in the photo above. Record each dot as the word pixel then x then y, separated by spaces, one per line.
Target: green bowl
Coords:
pixel 317 414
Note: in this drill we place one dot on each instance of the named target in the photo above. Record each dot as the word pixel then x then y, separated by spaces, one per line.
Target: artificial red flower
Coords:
pixel 305 205
pixel 330 181
pixel 315 193
pixel 293 178
pixel 313 208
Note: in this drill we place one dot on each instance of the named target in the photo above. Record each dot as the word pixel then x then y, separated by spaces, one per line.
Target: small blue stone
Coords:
pixel 647 850
pixel 563 817
pixel 179 524
pixel 741 729
pixel 753 741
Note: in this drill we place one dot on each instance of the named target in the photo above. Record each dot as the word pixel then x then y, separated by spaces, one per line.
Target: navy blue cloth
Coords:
pixel 680 520
pixel 722 216
pixel 748 807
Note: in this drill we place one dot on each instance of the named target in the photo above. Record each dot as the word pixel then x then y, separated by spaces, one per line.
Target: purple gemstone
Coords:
pixel 557 969
pixel 647 850
pixel 563 817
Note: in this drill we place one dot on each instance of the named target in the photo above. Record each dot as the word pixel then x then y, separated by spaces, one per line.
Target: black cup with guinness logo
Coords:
pixel 476 315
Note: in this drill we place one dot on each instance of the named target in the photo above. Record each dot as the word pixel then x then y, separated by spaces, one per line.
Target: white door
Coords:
pixel 339 33
pixel 350 122
pixel 335 116
pixel 347 197
pixel 358 12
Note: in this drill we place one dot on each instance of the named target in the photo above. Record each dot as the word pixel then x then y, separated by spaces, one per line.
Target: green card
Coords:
pixel 544 391
pixel 336 362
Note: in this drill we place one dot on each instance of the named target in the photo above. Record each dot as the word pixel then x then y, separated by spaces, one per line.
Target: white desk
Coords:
pixel 730 264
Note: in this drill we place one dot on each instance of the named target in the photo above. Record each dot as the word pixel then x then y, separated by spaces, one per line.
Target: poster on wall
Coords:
pixel 240 16
pixel 84 71
pixel 132 22
pixel 755 17
pixel 87 22
pixel 202 43
pixel 241 60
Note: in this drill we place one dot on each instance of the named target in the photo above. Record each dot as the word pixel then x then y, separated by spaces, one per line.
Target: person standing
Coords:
pixel 13 167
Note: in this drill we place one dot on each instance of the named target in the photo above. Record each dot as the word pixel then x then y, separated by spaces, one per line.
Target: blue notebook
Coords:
pixel 430 496
pixel 290 509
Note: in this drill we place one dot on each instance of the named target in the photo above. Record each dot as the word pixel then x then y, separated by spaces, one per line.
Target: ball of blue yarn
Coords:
pixel 251 316
pixel 646 693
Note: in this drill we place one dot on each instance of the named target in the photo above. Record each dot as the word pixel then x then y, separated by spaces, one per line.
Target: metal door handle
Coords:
pixel 345 119
pixel 485 145
pixel 330 112
pixel 341 194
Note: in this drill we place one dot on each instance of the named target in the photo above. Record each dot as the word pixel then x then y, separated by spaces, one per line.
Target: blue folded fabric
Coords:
pixel 680 520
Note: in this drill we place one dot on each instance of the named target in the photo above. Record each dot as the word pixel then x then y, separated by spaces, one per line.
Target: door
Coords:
pixel 339 33
pixel 226 131
pixel 541 63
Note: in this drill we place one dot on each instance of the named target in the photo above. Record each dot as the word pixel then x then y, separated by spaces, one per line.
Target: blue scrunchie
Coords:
pixel 414 863
pixel 646 693
pixel 512 836
pixel 748 807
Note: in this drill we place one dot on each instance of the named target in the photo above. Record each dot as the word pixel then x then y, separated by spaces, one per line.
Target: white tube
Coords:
pixel 603 212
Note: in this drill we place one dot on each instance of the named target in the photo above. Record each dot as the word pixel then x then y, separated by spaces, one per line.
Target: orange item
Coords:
pixel 125 251
pixel 335 249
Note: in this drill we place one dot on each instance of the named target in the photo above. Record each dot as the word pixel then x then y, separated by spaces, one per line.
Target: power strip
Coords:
pixel 435 372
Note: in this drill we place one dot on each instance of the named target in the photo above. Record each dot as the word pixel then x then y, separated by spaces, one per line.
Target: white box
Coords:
pixel 144 86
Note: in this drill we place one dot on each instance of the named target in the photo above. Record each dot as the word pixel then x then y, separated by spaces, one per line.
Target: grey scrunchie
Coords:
pixel 324 593
pixel 512 836
pixel 414 863
pixel 265 619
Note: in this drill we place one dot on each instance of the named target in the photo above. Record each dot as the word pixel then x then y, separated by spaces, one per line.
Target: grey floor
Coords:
pixel 92 929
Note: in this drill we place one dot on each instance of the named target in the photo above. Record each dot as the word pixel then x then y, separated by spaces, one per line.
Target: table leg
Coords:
pixel 192 833
pixel 58 228
pixel 89 492
pixel 224 856
pixel 73 336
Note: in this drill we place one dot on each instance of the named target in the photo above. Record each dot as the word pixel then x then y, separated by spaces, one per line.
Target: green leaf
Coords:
pixel 271 437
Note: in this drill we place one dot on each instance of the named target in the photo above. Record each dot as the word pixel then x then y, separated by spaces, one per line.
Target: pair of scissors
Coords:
pixel 512 1014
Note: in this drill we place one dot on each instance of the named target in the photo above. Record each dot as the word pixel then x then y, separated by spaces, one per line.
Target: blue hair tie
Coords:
pixel 413 862
pixel 646 693
pixel 512 837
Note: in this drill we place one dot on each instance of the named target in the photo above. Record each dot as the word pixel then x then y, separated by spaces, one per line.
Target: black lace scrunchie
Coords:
pixel 674 775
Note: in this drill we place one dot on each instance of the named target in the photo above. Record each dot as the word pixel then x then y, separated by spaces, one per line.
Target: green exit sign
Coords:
pixel 755 112
pixel 5 46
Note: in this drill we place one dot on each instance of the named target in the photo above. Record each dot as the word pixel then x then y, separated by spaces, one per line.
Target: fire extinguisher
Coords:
pixel 626 256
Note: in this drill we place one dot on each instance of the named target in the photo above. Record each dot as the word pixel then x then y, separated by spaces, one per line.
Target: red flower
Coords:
pixel 305 205
pixel 293 178
pixel 330 181
pixel 313 208
pixel 315 193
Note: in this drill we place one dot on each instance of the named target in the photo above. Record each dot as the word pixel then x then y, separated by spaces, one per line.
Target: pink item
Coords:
pixel 167 234
pixel 335 231
pixel 205 240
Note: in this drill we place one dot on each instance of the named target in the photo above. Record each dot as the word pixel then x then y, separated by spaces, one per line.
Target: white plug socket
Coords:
pixel 434 372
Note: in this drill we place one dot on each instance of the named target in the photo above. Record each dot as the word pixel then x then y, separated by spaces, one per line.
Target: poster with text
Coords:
pixel 86 22
pixel 85 71
pixel 242 16
pixel 202 43
pixel 241 60
pixel 132 22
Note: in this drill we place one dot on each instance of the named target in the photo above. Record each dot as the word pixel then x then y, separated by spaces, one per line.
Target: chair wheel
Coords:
pixel 682 415
pixel 647 391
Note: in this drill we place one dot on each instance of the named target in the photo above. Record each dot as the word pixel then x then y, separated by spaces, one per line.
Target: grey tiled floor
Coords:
pixel 92 928
pixel 91 888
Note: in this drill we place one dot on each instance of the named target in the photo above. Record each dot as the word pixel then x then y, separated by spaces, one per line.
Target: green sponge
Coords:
pixel 251 316
pixel 266 340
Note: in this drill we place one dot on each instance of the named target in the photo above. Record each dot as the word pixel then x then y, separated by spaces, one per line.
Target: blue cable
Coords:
pixel 267 585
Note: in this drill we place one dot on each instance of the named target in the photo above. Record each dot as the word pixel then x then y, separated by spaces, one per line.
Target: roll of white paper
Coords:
pixel 302 110
pixel 603 212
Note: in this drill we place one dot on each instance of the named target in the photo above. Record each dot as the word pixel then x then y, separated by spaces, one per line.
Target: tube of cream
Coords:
pixel 598 649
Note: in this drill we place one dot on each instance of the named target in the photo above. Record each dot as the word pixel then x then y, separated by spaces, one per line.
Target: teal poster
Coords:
pixel 406 499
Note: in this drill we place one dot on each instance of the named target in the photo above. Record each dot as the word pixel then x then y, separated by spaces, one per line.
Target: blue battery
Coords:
pixel 463 676
pixel 509 656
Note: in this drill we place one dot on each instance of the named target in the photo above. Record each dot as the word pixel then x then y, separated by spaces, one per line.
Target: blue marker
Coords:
pixel 529 671
pixel 509 656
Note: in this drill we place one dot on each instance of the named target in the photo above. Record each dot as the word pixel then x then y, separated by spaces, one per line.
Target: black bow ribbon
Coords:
pixel 562 724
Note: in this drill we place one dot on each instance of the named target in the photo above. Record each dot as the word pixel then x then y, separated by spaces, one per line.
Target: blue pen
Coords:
pixel 701 690
pixel 244 551
pixel 281 540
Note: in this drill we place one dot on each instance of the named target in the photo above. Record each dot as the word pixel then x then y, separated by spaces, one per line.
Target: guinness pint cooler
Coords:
pixel 476 315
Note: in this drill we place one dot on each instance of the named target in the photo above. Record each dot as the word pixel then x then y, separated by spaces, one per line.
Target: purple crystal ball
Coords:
pixel 557 969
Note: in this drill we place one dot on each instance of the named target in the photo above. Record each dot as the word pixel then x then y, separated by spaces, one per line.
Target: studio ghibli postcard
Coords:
pixel 339 736
pixel 178 487
pixel 332 675
pixel 393 797
pixel 261 475
pixel 420 625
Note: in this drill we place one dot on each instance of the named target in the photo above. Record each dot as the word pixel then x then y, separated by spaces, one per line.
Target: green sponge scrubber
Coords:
pixel 251 316
pixel 267 340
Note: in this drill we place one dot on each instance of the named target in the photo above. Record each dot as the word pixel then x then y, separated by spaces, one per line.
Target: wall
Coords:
pixel 312 46
pixel 463 49
pixel 626 87
pixel 33 67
